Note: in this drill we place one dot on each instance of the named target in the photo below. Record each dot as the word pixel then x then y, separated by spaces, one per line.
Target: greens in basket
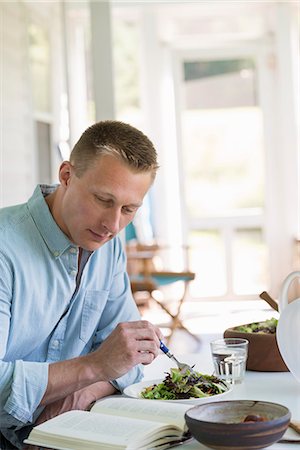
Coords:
pixel 268 326
pixel 179 386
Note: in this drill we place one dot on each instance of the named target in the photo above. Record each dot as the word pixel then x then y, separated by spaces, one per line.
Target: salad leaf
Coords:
pixel 184 385
pixel 268 326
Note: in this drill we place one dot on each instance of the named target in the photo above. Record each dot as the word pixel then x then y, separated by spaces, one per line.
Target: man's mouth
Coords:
pixel 100 237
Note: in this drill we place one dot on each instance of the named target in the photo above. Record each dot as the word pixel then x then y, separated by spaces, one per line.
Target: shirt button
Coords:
pixel 73 250
pixel 73 272
pixel 56 253
pixel 55 343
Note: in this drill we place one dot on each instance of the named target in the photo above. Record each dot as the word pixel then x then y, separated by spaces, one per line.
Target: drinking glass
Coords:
pixel 229 357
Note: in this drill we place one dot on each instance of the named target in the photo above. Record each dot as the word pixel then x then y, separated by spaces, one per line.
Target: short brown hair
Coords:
pixel 117 139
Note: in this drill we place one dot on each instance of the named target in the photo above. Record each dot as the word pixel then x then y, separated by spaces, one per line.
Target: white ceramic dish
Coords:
pixel 135 391
pixel 288 337
pixel 288 331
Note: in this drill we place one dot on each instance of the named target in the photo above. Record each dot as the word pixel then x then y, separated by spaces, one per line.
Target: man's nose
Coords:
pixel 112 220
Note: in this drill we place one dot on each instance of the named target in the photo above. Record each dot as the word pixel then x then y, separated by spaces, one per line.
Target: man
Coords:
pixel 70 332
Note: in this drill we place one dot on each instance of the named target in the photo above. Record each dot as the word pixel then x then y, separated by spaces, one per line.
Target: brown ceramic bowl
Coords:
pixel 263 352
pixel 220 425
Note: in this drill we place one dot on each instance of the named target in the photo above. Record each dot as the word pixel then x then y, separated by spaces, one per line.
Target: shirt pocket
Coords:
pixel 93 306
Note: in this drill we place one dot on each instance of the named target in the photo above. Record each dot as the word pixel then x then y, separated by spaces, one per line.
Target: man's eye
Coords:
pixel 103 200
pixel 128 210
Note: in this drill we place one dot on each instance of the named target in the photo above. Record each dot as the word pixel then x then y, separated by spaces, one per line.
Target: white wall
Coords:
pixel 17 146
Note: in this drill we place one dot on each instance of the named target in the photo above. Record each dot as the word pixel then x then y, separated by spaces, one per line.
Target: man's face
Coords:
pixel 96 206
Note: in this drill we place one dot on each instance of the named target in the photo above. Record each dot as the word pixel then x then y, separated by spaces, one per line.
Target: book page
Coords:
pixel 82 427
pixel 154 410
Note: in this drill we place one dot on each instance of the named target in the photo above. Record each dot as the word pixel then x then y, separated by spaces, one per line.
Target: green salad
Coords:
pixel 178 386
pixel 269 326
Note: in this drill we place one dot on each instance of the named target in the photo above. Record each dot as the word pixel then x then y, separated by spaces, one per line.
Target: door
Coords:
pixel 222 171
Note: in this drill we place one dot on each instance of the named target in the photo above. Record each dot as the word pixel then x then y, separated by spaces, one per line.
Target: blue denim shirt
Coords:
pixel 43 317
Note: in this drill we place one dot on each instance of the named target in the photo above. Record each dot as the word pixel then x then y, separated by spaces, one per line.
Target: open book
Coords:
pixel 114 423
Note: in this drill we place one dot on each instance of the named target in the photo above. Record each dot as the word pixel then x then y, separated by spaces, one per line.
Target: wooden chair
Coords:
pixel 146 278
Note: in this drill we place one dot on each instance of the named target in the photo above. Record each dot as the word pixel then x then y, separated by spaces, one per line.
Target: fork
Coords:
pixel 182 366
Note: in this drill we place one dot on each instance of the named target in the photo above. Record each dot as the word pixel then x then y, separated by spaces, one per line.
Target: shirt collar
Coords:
pixel 55 239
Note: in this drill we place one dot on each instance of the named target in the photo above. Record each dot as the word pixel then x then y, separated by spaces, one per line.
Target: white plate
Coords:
pixel 135 391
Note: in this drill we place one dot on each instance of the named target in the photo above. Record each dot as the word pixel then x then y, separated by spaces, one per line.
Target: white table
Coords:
pixel 278 387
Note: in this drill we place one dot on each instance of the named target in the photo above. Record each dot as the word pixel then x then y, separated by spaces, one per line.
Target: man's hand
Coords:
pixel 81 400
pixel 131 343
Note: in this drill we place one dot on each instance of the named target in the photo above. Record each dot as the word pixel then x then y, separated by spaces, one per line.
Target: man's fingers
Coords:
pixel 144 325
pixel 143 329
pixel 146 358
pixel 147 346
pixel 131 343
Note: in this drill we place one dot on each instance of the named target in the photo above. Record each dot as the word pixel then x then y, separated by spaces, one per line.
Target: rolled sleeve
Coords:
pixel 29 383
pixel 133 376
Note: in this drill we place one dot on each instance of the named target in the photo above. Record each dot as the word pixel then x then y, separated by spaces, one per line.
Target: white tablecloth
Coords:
pixel 278 387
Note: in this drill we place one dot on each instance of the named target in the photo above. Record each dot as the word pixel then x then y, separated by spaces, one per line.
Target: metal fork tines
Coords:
pixel 182 366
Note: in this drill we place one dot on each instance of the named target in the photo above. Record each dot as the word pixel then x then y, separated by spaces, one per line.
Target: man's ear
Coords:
pixel 65 172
